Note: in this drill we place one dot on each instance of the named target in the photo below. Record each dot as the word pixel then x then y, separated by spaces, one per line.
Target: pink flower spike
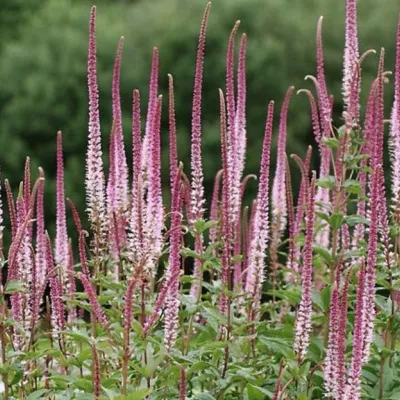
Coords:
pixel 351 52
pixel 154 212
pixel 11 208
pixel 325 107
pixel 260 224
pixel 27 184
pixel 56 291
pixel 279 202
pixel 230 84
pixel 96 307
pixel 173 149
pixel 330 364
pixel 394 139
pixel 197 193
pixel 369 289
pixel 136 219
pixel 61 241
pixel 353 386
pixel 214 211
pixel 239 139
pixel 71 283
pixel 40 261
pixel 314 115
pixel 151 107
pixel 121 167
pixel 94 164
pixel 303 317
pixel 174 267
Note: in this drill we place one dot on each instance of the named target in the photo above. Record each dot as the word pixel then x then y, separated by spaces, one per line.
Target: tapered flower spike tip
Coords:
pixel 323 97
pixel 197 190
pixel 394 140
pixel 61 241
pixel 151 107
pixel 279 203
pixel 27 184
pixel 173 149
pixel 94 163
pixel 120 155
pixel 230 83
pixel 351 52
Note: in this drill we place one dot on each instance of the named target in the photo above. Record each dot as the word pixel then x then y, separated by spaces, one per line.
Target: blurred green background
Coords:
pixel 43 50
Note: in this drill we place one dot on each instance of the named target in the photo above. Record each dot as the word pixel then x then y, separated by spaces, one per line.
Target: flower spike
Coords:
pixel 61 241
pixel 94 164
pixel 279 203
pixel 197 192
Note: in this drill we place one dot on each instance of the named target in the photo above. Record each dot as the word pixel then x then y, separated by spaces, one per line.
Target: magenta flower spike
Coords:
pixel 240 117
pixel 136 219
pixel 154 212
pixel 260 228
pixel 128 315
pixel 197 189
pixel 56 291
pixel 227 227
pixel 314 115
pixel 27 184
pixel 341 345
pixel 353 385
pixel 331 359
pixel 279 201
pixel 40 261
pixel 325 107
pixel 71 283
pixel 173 149
pixel 231 139
pixel 121 167
pixel 11 208
pixel 369 289
pixel 351 52
pixel 174 266
pixel 214 211
pixel 94 164
pixel 97 312
pixel 61 241
pixel 303 317
pixel 394 139
pixel 151 107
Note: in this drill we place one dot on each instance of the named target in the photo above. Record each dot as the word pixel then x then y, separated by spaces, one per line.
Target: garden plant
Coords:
pixel 161 295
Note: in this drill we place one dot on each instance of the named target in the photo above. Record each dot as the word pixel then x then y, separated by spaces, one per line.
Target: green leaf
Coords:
pixel 327 182
pixel 37 394
pixel 352 186
pixel 331 142
pixel 138 395
pixel 337 220
pixel 353 220
pixel 84 384
pixel 257 392
pixel 14 286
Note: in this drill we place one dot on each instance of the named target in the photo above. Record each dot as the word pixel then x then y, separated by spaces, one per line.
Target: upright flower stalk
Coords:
pixel 303 317
pixel 94 164
pixel 61 257
pixel 260 228
pixel 394 140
